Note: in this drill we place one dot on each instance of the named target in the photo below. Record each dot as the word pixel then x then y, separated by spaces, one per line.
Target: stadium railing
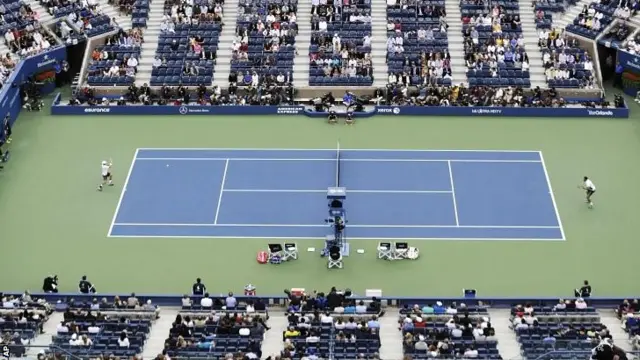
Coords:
pixel 27 352
pixel 176 299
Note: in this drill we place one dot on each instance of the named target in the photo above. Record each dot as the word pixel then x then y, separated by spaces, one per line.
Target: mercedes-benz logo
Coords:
pixel 183 110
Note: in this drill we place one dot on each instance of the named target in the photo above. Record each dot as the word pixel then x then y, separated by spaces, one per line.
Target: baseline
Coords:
pixel 122 192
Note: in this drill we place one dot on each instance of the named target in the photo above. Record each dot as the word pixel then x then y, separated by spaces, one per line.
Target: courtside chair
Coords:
pixel 400 250
pixel 290 252
pixel 275 252
pixel 385 251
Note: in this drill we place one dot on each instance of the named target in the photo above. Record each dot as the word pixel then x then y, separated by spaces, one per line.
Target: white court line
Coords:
pixel 318 238
pixel 333 160
pixel 349 226
pixel 124 189
pixel 224 179
pixel 453 193
pixel 333 150
pixel 553 197
pixel 324 191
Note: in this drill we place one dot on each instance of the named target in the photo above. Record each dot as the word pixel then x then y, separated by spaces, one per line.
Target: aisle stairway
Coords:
pixel 390 336
pixel 379 42
pixel 151 35
pixel 44 16
pixel 536 70
pixel 561 21
pixel 620 337
pixel 159 332
pixel 225 43
pixel 507 342
pixel 303 41
pixel 456 42
pixel 107 9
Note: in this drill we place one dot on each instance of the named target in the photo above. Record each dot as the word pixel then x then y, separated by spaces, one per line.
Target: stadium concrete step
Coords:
pixel 272 342
pixel 159 333
pixel 620 337
pixel 561 21
pixel 530 34
pixel 42 341
pixel 456 42
pixel 107 9
pixel 150 45
pixel 390 336
pixel 222 68
pixel 379 43
pixel 303 41
pixel 43 15
pixel 508 345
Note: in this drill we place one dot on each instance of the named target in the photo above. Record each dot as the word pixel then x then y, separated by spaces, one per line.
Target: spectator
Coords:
pixel 206 301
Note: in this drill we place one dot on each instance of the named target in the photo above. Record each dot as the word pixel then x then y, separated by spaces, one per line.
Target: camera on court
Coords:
pixel 618 100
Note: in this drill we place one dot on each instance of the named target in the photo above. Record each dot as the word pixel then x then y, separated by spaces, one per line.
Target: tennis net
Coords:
pixel 338 165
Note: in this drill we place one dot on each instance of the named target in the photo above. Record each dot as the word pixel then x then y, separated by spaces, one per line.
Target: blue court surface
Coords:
pixel 391 194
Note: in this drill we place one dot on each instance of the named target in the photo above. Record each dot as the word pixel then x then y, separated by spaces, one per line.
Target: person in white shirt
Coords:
pixel 74 340
pixel 581 304
pixel 326 318
pixel 206 301
pixel 93 329
pixel 231 301
pixel 62 328
pixel 186 301
pixel 452 310
pixel 107 177
pixel 590 188
pixel 471 353
pixel 123 340
pixel 361 308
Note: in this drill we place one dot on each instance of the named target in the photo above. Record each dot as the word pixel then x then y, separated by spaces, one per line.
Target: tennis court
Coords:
pixel 391 194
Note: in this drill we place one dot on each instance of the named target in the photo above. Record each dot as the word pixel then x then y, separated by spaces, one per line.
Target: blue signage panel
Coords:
pixel 300 110
pixel 10 102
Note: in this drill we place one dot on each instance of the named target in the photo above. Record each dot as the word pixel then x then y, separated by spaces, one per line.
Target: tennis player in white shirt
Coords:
pixel 107 178
pixel 590 188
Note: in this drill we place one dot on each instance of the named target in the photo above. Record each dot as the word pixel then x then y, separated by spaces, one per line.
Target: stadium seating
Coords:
pixel 206 334
pixel 265 40
pixel 416 40
pixel 592 20
pixel 566 64
pixel 183 48
pixel 91 22
pixel 544 12
pixel 12 18
pixel 112 67
pixel 339 336
pixel 345 24
pixel 86 334
pixel 140 14
pixel 555 329
pixel 502 25
pixel 423 326
pixel 22 319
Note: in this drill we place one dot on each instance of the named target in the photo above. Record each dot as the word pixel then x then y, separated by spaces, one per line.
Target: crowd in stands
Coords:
pixel 417 45
pixel 264 47
pixel 457 330
pixel 570 325
pixel 566 64
pixel 117 60
pixel 594 18
pixel 188 43
pixel 101 327
pixel 83 16
pixel 544 10
pixel 494 45
pixel 340 47
pixel 320 324
pixel 21 319
pixel 633 45
pixel 616 35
